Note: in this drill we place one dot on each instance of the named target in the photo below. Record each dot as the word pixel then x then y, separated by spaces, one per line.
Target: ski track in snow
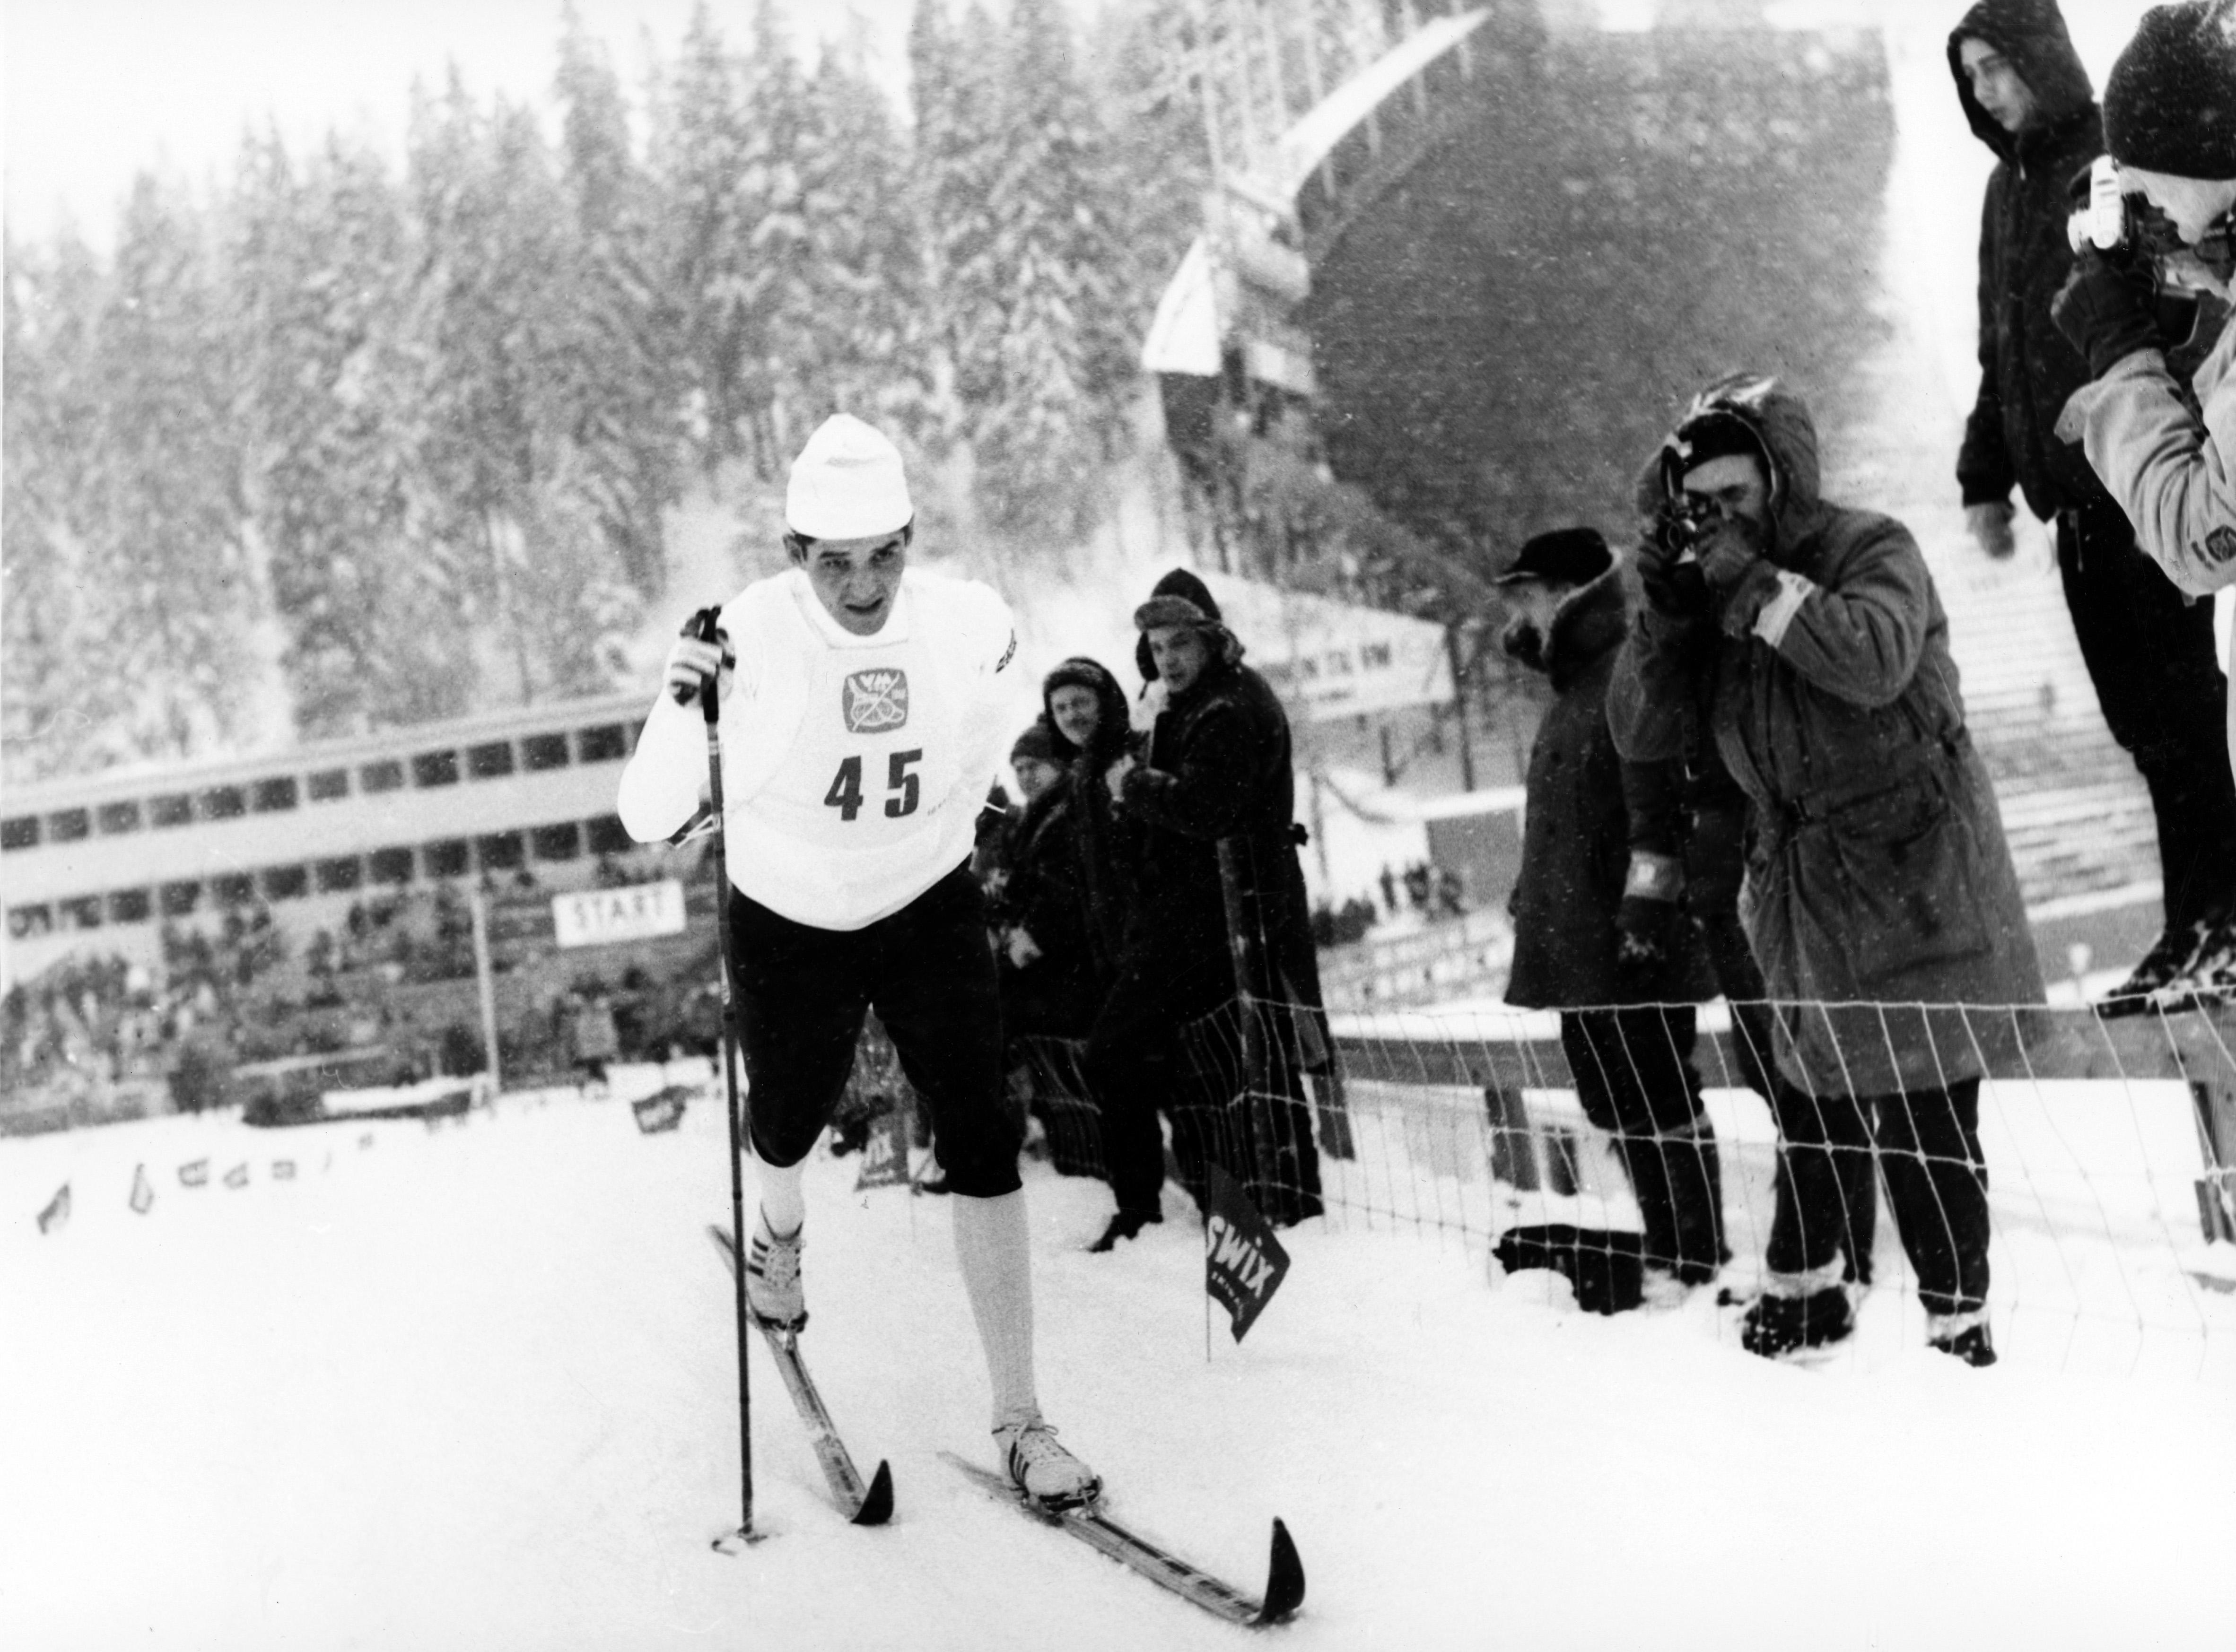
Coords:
pixel 474 1387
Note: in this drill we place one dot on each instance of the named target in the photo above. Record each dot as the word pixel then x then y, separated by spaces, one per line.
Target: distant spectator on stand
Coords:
pixel 1880 896
pixel 1626 1016
pixel 2148 647
pixel 596 1036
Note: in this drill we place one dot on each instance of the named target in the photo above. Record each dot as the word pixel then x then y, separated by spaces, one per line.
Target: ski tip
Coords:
pixel 1285 1579
pixel 877 1502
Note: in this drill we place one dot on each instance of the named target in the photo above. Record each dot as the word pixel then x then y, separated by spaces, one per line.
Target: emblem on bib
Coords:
pixel 876 701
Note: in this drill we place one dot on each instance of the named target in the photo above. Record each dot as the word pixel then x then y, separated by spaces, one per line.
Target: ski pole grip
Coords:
pixel 703 626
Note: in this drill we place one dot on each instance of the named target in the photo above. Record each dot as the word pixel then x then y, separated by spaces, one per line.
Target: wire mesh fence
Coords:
pixel 2077 1176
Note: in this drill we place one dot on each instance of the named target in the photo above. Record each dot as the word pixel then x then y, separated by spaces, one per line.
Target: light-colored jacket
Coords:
pixel 2174 476
pixel 1878 880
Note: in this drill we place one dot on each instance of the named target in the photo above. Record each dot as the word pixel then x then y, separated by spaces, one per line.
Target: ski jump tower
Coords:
pixel 1466 260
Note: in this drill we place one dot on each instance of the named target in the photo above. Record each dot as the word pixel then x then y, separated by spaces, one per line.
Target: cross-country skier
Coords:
pixel 862 710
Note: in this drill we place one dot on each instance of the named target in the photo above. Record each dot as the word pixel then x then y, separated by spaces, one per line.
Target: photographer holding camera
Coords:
pixel 2148 648
pixel 1879 892
pixel 2170 122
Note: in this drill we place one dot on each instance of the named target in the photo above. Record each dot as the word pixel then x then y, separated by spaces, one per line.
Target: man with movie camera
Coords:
pixel 1807 640
pixel 2160 218
pixel 2148 647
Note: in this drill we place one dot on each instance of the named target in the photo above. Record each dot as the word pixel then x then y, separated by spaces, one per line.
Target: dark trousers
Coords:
pixel 1937 1180
pixel 1634 1076
pixel 1170 1036
pixel 2150 654
pixel 802 993
pixel 1754 1033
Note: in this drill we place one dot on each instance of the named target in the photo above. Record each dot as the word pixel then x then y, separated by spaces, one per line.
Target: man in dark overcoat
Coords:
pixel 1599 933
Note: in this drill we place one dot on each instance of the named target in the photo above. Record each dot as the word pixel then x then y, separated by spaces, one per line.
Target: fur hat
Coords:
pixel 2170 105
pixel 1565 556
pixel 847 484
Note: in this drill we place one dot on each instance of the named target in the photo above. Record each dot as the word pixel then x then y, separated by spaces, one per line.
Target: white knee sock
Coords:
pixel 991 1244
pixel 782 1202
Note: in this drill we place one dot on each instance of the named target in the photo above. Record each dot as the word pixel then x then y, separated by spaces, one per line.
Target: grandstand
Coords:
pixel 524 795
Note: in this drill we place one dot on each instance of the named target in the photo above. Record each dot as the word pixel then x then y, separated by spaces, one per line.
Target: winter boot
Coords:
pixel 1043 1471
pixel 1778 1325
pixel 1694 1169
pixel 2169 958
pixel 1126 1224
pixel 2208 977
pixel 1963 1336
pixel 774 1293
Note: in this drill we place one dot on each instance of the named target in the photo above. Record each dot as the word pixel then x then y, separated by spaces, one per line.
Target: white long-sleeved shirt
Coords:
pixel 854 768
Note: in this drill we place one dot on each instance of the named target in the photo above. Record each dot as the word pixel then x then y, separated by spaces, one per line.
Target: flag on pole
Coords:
pixel 1243 1262
pixel 195 1174
pixel 660 1111
pixel 885 1155
pixel 58 1211
pixel 143 1192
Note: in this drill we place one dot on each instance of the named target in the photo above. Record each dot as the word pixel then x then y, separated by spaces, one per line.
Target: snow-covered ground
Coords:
pixel 472 1386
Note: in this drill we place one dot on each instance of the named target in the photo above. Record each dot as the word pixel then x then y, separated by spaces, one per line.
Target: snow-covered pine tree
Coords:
pixel 698 150
pixel 957 85
pixel 169 585
pixel 1041 441
pixel 625 364
pixel 773 261
pixel 498 318
pixel 863 339
pixel 50 668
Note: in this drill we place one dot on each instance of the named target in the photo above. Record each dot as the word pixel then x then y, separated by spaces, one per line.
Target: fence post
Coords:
pixel 485 979
pixel 2216 1135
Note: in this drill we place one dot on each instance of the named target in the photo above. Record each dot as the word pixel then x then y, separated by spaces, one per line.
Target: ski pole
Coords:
pixel 710 704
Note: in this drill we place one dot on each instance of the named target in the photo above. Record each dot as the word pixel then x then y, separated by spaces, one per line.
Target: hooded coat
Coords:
pixel 1218 764
pixel 1103 846
pixel 2027 368
pixel 1576 832
pixel 1877 874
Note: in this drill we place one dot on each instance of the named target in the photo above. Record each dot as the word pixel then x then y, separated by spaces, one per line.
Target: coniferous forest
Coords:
pixel 381 441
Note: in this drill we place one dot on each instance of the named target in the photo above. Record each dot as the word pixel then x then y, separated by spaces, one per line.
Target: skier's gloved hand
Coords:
pixel 1990 524
pixel 690 661
pixel 1645 922
pixel 2106 313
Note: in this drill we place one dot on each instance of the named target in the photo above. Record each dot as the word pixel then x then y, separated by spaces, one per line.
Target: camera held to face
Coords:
pixel 1686 520
pixel 2128 230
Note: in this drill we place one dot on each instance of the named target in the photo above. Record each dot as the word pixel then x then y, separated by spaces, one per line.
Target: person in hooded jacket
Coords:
pixel 2148 647
pixel 1089 733
pixel 2159 430
pixel 1880 896
pixel 1216 765
pixel 1625 988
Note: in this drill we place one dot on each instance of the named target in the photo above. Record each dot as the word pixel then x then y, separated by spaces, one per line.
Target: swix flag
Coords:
pixel 58 1211
pixel 1243 1262
pixel 237 1177
pixel 195 1174
pixel 660 1111
pixel 143 1193
pixel 885 1155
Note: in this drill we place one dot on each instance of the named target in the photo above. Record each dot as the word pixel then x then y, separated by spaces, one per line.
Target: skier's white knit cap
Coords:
pixel 847 484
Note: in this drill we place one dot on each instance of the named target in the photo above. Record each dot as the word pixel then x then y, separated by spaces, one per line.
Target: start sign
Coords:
pixel 596 917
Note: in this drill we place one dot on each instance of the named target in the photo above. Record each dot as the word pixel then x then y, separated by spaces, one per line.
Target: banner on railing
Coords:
pixel 597 917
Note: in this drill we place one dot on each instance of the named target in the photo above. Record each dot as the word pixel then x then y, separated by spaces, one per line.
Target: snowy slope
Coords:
pixel 472 1387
